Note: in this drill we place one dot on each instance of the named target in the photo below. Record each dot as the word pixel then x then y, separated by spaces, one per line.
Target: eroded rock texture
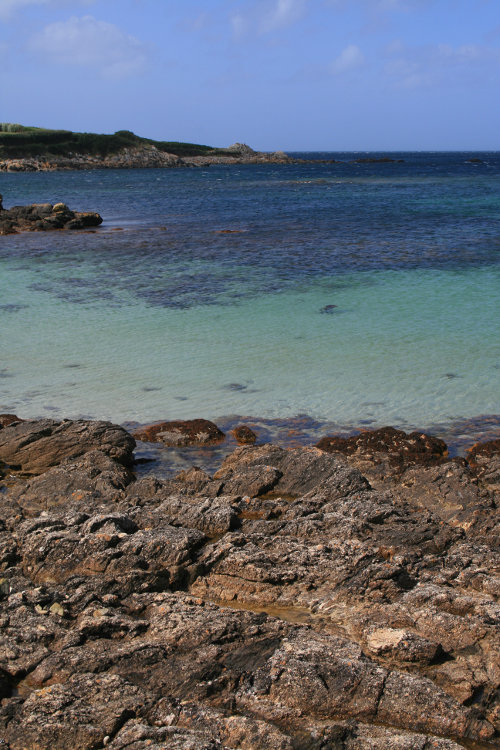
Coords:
pixel 287 602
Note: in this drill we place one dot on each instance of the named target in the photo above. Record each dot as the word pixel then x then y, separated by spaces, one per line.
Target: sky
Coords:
pixel 310 75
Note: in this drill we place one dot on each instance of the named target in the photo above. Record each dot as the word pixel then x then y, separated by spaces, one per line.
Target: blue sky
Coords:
pixel 290 74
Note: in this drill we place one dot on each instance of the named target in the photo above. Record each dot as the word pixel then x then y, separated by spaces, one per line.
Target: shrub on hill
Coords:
pixel 18 141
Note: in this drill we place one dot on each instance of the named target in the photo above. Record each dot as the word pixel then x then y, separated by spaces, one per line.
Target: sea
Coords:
pixel 301 299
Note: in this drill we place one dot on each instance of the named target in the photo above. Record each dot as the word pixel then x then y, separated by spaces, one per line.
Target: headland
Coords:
pixel 29 149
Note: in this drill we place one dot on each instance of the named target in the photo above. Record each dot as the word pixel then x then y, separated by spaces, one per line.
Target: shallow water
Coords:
pixel 357 294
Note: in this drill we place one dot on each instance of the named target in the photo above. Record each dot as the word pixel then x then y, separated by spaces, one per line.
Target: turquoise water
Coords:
pixel 357 294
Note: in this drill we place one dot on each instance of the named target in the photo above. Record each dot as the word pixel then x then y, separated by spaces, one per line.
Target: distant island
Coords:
pixel 33 149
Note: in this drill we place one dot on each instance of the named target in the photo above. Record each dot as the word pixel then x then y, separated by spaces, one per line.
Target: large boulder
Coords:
pixel 34 446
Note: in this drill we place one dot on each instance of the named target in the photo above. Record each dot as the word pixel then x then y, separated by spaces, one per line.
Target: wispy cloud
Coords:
pixel 350 58
pixel 264 17
pixel 91 43
pixel 283 13
pixel 430 65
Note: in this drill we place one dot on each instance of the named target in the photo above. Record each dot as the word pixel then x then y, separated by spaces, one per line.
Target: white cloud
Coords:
pixel 284 13
pixel 349 59
pixel 428 65
pixel 239 24
pixel 88 42
pixel 264 17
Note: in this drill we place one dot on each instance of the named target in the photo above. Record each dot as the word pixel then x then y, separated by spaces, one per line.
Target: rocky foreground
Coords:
pixel 335 598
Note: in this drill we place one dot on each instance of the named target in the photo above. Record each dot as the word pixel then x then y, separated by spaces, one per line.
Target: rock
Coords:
pixel 484 460
pixel 44 216
pixel 404 645
pixel 244 435
pixel 181 433
pixel 7 419
pixel 387 448
pixel 284 603
pixel 33 446
pixel 93 478
pixel 241 148
pixel 452 491
pixel 78 714
pixel 110 546
pixel 289 472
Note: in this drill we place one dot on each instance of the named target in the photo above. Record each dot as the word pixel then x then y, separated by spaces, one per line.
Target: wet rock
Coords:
pixel 181 433
pixel 244 435
pixel 391 450
pixel 33 446
pixel 484 459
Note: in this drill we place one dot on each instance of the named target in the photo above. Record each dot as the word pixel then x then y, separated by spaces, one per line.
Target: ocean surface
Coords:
pixel 304 298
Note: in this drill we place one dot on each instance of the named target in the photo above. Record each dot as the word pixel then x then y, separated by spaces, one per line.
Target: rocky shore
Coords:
pixel 341 597
pixel 40 217
pixel 141 157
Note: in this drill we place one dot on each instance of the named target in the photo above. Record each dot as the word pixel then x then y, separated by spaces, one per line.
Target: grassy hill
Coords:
pixel 18 141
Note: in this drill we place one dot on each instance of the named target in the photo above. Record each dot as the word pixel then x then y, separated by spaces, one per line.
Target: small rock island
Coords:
pixel 39 217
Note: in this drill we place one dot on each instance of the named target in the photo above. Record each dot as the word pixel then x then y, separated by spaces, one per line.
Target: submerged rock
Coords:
pixel 181 433
pixel 244 435
pixel 391 449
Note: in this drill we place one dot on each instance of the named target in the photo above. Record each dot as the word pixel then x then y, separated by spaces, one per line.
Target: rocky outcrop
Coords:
pixel 40 217
pixel 33 446
pixel 285 602
pixel 141 157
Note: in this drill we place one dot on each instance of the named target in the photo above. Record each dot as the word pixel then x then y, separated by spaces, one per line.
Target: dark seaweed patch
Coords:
pixel 234 387
pixel 13 307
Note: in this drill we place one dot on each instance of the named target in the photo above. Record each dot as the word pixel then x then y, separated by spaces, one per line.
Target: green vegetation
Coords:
pixel 18 141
